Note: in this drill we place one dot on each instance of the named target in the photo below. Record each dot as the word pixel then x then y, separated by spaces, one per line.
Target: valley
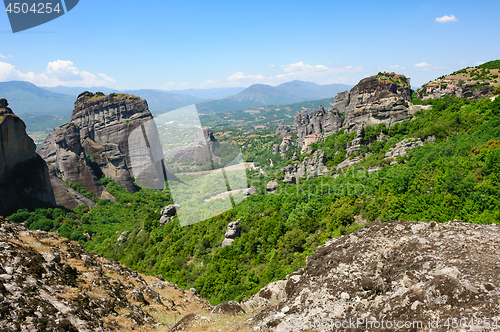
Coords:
pixel 379 197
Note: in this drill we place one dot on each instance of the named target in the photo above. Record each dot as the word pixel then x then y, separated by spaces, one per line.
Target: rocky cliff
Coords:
pixel 309 168
pixel 440 89
pixel 97 142
pixel 420 273
pixel 50 284
pixel 319 122
pixel 376 99
pixel 22 170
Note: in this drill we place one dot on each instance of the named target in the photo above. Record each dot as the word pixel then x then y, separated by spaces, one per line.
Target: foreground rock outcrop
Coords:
pixel 22 170
pixel 48 283
pixel 422 272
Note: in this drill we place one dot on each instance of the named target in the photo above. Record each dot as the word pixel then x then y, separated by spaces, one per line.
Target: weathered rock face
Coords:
pixel 466 90
pixel 233 231
pixel 110 119
pixel 96 143
pixel 398 271
pixel 312 166
pixel 49 284
pixel 386 110
pixel 283 131
pixel 373 89
pixel 63 151
pixel 21 168
pixel 340 102
pixel 319 122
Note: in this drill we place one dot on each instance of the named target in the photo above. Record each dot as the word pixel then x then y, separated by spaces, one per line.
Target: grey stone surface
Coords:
pixel 420 271
pixel 21 168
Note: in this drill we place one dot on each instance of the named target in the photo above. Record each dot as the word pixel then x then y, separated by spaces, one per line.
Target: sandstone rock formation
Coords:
pixel 313 166
pixel 319 122
pixel 102 140
pixel 22 171
pixel 386 110
pixel 283 131
pixel 398 271
pixel 168 213
pixel 49 284
pixel 283 147
pixel 63 151
pixel 97 140
pixel 372 89
pixel 233 231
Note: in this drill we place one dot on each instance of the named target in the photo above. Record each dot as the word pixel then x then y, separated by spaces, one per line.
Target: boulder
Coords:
pixel 168 213
pixel 185 323
pixel 250 191
pixel 233 231
pixel 272 186
pixel 228 308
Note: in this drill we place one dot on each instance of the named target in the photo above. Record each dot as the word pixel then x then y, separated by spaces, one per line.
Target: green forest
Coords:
pixel 455 177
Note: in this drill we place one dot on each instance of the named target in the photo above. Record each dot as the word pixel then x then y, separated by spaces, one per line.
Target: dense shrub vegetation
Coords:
pixel 457 176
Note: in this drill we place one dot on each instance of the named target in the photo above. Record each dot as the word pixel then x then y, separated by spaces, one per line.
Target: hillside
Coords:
pixel 470 82
pixel 259 95
pixel 48 283
pixel 392 158
pixel 264 117
pixel 25 97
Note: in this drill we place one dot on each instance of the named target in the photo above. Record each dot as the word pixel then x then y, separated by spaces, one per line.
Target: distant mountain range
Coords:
pixel 49 107
pixel 264 95
pixel 24 97
pixel 159 101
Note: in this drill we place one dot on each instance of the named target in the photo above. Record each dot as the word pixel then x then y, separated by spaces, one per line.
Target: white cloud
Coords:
pixel 240 76
pixel 303 71
pixel 479 63
pixel 318 73
pixel 270 66
pixel 422 65
pixel 426 66
pixel 393 67
pixel 446 19
pixel 5 56
pixel 59 72
pixel 107 78
pixel 301 67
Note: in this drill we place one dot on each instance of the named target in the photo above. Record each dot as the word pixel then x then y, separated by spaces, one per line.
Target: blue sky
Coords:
pixel 205 44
